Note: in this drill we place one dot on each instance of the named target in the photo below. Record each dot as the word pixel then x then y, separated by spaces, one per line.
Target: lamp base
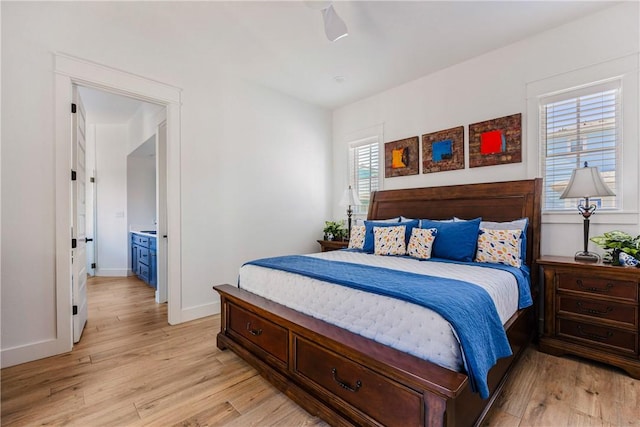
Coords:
pixel 587 257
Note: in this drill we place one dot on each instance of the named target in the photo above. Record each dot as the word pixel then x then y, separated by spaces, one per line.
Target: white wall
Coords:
pixel 144 124
pixel 240 145
pixel 111 143
pixel 495 85
pixel 141 184
pixel 141 190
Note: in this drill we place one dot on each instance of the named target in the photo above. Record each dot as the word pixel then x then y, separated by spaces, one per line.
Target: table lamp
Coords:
pixel 586 182
pixel 350 198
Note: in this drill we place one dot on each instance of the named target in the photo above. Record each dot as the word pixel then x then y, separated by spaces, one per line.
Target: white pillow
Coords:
pixel 390 220
pixel 518 224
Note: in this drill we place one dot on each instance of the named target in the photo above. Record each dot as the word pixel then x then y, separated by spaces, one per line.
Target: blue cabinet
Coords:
pixel 153 262
pixel 143 258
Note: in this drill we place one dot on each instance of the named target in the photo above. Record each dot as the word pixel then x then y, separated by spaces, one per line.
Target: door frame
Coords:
pixel 68 71
pixel 161 211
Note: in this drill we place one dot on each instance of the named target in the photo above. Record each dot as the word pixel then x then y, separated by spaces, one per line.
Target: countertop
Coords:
pixel 144 233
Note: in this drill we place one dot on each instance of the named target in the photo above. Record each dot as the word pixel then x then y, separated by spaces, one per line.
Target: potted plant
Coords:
pixel 616 242
pixel 334 230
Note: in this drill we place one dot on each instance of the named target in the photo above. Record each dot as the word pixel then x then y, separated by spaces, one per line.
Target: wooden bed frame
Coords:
pixel 347 379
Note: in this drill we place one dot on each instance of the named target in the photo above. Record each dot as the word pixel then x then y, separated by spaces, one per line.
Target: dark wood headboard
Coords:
pixel 496 201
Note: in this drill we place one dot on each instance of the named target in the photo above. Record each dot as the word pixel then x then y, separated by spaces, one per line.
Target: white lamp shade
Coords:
pixel 334 26
pixel 350 198
pixel 586 182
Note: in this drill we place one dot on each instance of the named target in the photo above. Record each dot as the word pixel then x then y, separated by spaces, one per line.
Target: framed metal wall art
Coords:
pixel 497 141
pixel 443 150
pixel 401 158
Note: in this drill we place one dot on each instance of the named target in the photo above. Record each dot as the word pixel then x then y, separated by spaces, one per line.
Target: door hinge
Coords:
pixel 73 175
pixel 75 310
pixel 74 243
pixel 73 108
pixel 93 265
pixel 92 179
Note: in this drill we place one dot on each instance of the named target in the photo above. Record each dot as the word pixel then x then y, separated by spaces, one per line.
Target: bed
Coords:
pixel 347 378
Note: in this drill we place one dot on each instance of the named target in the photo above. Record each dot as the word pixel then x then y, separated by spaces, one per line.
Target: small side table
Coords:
pixel 332 245
pixel 591 310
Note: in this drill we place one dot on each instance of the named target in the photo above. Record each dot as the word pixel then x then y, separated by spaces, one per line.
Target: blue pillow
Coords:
pixel 456 240
pixel 368 232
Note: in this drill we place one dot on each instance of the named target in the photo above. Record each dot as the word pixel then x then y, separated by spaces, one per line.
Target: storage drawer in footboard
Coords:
pixel 260 332
pixel 385 401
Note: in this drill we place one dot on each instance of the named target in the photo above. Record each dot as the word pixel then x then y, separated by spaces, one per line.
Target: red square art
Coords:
pixel 496 141
pixel 492 142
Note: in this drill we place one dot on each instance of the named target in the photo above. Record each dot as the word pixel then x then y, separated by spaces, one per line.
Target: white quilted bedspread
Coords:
pixel 398 324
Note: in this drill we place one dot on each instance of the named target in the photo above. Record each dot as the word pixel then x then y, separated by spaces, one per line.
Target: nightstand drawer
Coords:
pixel 617 312
pixel 603 286
pixel 332 245
pixel 612 338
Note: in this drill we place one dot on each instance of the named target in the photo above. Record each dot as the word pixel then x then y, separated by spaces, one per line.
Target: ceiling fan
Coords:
pixel 334 26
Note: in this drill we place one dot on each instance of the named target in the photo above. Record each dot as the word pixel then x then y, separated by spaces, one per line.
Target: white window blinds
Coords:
pixel 364 170
pixel 580 126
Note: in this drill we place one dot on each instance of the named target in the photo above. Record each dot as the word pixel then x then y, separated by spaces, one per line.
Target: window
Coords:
pixel 580 126
pixel 364 170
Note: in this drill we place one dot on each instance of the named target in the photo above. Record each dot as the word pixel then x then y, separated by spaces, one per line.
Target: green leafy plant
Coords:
pixel 334 230
pixel 615 242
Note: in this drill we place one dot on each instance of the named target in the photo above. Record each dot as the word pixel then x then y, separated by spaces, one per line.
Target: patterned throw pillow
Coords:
pixel 389 240
pixel 356 240
pixel 518 224
pixel 421 242
pixel 499 247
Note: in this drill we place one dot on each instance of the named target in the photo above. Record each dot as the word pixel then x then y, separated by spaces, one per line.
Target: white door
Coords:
pixel 79 215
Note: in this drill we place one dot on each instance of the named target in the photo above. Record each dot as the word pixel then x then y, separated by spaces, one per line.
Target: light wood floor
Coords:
pixel 132 369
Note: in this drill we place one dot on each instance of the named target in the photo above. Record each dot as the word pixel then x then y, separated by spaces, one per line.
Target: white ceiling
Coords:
pixel 107 108
pixel 282 44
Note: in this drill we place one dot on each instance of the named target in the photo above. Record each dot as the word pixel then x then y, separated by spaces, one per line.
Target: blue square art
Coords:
pixel 442 150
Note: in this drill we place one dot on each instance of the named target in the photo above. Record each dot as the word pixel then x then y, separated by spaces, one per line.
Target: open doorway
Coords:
pixel 69 72
pixel 126 187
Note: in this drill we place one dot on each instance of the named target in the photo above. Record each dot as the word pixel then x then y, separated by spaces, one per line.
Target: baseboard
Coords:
pixel 34 351
pixel 200 311
pixel 112 272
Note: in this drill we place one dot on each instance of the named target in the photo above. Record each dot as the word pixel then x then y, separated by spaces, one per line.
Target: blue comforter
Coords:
pixel 481 334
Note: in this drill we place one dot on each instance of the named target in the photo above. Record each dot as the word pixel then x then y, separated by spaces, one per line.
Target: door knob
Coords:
pixel 88 239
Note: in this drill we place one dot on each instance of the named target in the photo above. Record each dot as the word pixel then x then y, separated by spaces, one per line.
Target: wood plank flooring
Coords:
pixel 132 369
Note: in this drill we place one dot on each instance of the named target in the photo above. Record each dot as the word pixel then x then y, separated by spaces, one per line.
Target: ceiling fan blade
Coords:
pixel 334 26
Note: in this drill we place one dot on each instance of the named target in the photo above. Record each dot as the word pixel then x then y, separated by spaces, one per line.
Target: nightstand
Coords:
pixel 591 310
pixel 332 245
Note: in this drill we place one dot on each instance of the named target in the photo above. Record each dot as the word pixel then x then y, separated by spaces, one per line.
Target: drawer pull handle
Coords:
pixel 343 384
pixel 254 332
pixel 594 289
pixel 594 336
pixel 609 309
